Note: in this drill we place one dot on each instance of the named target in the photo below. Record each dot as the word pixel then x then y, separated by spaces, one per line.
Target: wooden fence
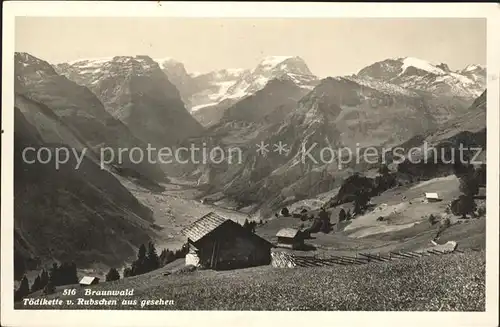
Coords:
pixel 288 260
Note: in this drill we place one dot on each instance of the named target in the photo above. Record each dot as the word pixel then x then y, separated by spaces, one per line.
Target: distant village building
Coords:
pixel 219 243
pixel 88 280
pixel 432 197
pixel 290 238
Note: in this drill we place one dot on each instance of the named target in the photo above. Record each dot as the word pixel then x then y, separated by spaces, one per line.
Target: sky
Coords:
pixel 330 46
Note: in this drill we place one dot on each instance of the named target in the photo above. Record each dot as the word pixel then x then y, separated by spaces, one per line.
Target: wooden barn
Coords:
pixel 290 238
pixel 219 243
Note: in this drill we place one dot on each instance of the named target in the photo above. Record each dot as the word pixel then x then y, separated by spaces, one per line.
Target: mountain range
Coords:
pixel 133 101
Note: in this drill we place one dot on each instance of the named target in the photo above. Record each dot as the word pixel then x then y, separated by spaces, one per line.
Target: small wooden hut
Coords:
pixel 290 238
pixel 88 281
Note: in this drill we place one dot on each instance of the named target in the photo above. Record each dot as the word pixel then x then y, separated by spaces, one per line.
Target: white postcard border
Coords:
pixel 11 317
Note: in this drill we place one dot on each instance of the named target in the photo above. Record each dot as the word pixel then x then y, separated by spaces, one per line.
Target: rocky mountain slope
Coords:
pixel 468 128
pixel 279 93
pixel 178 75
pixel 137 92
pixel 338 112
pixel 83 215
pixel 79 109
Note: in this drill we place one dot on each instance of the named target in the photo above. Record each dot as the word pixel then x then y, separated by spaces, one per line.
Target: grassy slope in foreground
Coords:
pixel 453 282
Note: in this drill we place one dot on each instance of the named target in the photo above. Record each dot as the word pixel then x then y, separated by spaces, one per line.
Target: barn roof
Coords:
pixel 87 280
pixel 201 227
pixel 287 232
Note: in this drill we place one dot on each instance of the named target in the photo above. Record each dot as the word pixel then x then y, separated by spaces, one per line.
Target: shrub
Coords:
pixel 360 201
pixel 481 211
pixel 285 212
pixel 432 219
pixel 446 222
pixel 463 206
pixel 383 170
pixel 186 269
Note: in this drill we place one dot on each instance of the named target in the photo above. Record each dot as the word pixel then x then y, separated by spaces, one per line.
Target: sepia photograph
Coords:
pixel 217 162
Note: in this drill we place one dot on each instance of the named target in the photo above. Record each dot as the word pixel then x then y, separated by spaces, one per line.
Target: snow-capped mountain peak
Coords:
pixel 272 61
pixel 472 67
pixel 93 67
pixel 284 64
pixel 420 75
pixel 273 67
pixel 90 60
pixel 420 64
pixel 164 59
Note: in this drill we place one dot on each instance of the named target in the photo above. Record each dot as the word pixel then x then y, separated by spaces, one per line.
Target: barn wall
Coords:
pixel 292 243
pixel 243 250
pixel 236 249
pixel 286 240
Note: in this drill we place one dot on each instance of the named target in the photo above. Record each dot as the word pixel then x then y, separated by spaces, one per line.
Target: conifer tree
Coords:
pixel 23 290
pixel 50 287
pixel 152 260
pixel 141 254
pixel 54 274
pixel 127 272
pixel 44 278
pixel 112 275
pixel 139 266
pixel 342 215
pixel 73 274
pixel 37 285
